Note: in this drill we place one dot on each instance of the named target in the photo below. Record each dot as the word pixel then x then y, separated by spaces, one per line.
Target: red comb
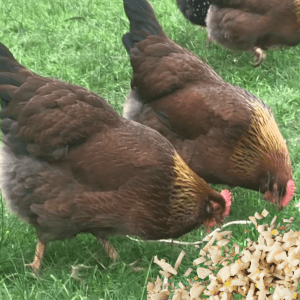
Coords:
pixel 289 192
pixel 227 197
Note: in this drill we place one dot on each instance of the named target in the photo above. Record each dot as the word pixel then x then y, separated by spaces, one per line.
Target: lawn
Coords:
pixel 80 42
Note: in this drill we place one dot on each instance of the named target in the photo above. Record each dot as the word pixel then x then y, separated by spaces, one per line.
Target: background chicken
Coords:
pixel 254 24
pixel 225 134
pixel 194 10
pixel 70 164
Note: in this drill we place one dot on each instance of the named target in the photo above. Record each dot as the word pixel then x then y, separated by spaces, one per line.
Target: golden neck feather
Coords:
pixel 187 186
pixel 186 177
pixel 297 10
pixel 262 142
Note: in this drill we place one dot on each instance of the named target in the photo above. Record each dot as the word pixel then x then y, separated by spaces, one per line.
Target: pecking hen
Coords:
pixel 225 134
pixel 70 164
pixel 194 10
pixel 254 25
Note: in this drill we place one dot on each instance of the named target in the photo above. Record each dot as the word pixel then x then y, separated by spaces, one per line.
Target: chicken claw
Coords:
pixel 38 257
pixel 259 56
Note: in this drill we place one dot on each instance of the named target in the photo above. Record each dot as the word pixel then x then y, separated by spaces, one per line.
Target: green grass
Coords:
pixel 80 42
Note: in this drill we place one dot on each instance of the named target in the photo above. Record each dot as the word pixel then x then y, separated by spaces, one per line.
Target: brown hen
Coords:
pixel 225 134
pixel 254 24
pixel 70 164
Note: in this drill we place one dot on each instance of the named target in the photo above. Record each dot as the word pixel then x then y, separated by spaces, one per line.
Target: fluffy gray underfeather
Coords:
pixel 132 106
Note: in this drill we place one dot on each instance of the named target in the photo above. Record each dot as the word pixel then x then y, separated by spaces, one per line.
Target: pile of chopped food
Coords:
pixel 268 269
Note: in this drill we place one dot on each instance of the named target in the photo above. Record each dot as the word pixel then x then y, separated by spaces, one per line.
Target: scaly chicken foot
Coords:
pixel 109 249
pixel 259 56
pixel 38 257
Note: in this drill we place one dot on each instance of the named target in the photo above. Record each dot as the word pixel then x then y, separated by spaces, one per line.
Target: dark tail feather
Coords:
pixel 10 78
pixel 143 22
pixel 128 44
pixel 4 52
pixel 9 67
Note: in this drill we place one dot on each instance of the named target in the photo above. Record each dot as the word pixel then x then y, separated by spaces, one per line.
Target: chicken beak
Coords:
pixel 273 196
pixel 281 200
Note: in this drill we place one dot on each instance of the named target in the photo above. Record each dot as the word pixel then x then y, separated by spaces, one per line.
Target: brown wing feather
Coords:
pixel 183 84
pixel 51 114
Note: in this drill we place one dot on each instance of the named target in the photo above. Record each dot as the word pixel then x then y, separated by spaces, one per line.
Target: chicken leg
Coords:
pixel 109 249
pixel 38 257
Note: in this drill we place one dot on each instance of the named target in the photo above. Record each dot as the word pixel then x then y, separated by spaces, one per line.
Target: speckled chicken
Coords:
pixel 254 25
pixel 70 164
pixel 224 133
pixel 194 10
